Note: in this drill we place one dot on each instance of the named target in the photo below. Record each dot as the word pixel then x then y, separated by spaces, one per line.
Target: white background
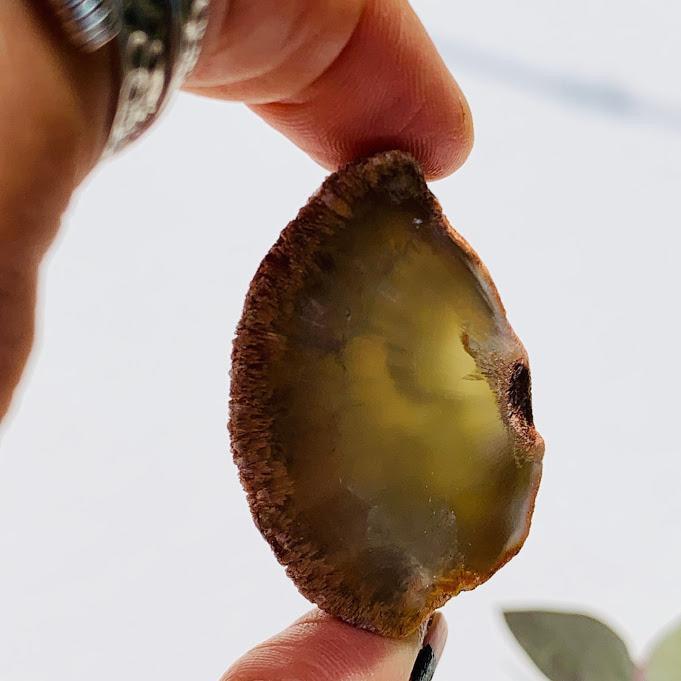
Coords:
pixel 127 550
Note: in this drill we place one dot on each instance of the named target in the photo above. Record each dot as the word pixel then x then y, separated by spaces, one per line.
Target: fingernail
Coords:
pixel 431 651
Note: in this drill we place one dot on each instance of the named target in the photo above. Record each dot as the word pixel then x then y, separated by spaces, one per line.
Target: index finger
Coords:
pixel 342 78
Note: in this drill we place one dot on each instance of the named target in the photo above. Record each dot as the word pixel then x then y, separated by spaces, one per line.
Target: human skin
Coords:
pixel 340 78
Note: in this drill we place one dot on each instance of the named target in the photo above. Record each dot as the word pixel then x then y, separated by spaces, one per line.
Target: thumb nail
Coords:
pixel 431 651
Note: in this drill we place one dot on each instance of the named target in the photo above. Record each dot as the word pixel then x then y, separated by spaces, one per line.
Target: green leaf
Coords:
pixel 571 647
pixel 664 663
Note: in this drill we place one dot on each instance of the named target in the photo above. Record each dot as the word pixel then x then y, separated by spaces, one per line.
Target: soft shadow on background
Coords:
pixel 127 549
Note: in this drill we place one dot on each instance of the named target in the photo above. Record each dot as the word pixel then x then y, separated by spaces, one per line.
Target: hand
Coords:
pixel 340 78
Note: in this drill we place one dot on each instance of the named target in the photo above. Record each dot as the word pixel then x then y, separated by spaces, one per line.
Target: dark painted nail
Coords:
pixel 424 667
pixel 431 651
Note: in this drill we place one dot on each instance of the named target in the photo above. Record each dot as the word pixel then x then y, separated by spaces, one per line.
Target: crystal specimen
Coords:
pixel 380 405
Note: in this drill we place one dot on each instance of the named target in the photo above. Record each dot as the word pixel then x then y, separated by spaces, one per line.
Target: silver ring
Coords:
pixel 159 42
pixel 89 24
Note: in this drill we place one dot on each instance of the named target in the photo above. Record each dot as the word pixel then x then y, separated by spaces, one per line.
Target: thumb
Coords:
pixel 319 647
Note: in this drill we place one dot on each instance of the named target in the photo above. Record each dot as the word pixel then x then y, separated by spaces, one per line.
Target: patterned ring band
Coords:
pixel 89 24
pixel 159 42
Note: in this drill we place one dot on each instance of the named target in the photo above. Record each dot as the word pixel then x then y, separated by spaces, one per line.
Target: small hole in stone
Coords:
pixel 520 392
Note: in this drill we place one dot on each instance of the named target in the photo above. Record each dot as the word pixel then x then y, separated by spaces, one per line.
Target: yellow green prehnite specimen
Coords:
pixel 381 416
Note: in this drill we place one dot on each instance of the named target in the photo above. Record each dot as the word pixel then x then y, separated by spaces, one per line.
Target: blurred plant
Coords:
pixel 572 647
